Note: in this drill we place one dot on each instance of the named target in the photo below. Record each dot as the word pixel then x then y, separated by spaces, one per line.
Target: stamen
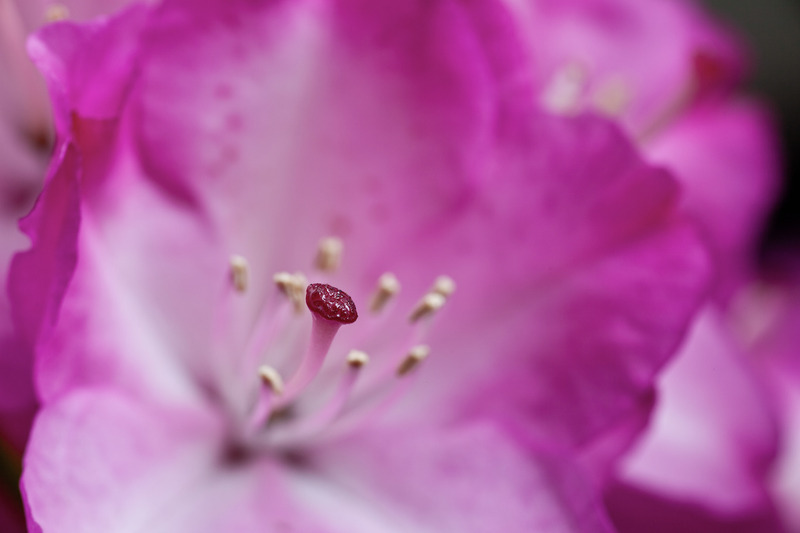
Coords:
pixel 415 356
pixel 270 378
pixel 356 360
pixel 330 309
pixel 271 386
pixel 388 287
pixel 562 95
pixel 56 13
pixel 429 304
pixel 444 285
pixel 329 254
pixel 612 97
pixel 293 286
pixel 240 273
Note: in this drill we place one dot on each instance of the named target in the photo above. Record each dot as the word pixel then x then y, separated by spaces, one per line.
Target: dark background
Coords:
pixel 771 28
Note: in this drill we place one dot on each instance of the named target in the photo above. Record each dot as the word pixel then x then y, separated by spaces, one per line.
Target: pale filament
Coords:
pixel 270 387
pixel 383 394
pixel 387 289
pixel 270 323
pixel 240 273
pixel 427 306
pixel 333 408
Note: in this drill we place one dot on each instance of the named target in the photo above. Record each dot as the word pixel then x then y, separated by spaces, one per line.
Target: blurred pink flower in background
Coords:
pixel 203 140
pixel 768 315
pixel 669 75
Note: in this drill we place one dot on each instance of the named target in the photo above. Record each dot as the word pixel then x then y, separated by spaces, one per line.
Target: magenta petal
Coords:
pixel 469 478
pixel 714 434
pixel 96 457
pixel 724 155
pixel 582 359
pixel 634 510
pixel 88 66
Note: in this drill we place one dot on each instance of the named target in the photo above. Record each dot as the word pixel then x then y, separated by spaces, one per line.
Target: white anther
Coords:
pixel 612 97
pixel 357 358
pixel 329 254
pixel 388 286
pixel 270 378
pixel 444 285
pixel 429 304
pixel 415 356
pixel 240 273
pixel 293 286
pixel 55 13
pixel 562 95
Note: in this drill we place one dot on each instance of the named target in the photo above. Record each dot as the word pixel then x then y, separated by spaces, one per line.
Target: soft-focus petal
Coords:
pixel 442 480
pixel 106 454
pixel 650 56
pixel 634 510
pixel 714 433
pixel 102 454
pixel 770 313
pixel 724 155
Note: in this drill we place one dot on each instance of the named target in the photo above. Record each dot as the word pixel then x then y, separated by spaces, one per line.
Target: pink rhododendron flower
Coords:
pixel 205 147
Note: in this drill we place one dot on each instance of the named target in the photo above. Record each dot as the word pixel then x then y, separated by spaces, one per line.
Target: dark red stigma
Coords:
pixel 331 303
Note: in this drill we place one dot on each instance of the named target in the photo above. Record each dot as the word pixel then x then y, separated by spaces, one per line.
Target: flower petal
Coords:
pixel 724 156
pixel 714 434
pixel 633 510
pixel 469 478
pixel 96 457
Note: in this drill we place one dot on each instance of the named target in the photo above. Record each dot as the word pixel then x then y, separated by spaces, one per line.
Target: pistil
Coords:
pixel 330 309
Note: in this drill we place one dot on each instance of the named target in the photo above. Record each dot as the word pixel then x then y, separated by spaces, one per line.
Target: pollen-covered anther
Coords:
pixel 612 97
pixel 293 286
pixel 388 287
pixel 444 285
pixel 329 254
pixel 56 13
pixel 563 94
pixel 427 306
pixel 240 273
pixel 415 356
pixel 357 359
pixel 270 378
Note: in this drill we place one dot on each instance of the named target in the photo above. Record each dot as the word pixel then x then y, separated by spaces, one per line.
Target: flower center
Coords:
pixel 327 391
